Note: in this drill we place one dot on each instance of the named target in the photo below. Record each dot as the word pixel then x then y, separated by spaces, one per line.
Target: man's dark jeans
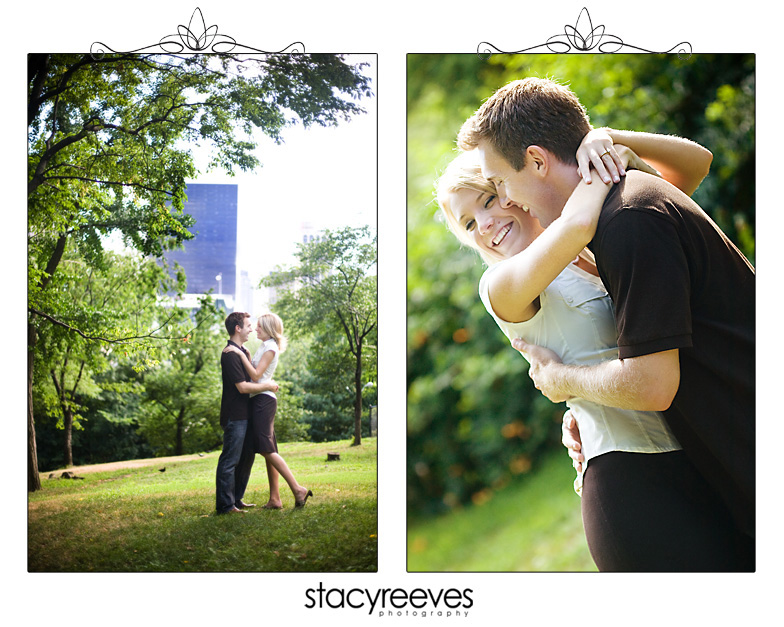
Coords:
pixel 234 466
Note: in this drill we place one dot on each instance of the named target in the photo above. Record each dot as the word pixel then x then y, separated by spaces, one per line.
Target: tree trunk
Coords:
pixel 358 398
pixel 68 427
pixel 33 479
pixel 178 447
pixel 65 407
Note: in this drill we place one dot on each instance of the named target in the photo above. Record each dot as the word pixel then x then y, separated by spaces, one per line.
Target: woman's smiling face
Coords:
pixel 500 232
pixel 260 332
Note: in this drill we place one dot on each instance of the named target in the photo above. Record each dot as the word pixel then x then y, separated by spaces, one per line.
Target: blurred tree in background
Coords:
pixel 328 301
pixel 474 419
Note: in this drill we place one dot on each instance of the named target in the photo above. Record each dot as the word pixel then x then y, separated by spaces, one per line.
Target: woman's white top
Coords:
pixel 268 345
pixel 576 320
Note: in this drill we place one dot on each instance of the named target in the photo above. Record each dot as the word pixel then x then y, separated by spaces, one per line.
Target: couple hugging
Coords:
pixel 631 305
pixel 247 415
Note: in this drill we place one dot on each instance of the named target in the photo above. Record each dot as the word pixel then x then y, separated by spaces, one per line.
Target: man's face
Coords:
pixel 525 188
pixel 246 330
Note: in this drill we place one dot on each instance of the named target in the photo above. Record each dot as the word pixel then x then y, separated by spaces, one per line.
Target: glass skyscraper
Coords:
pixel 210 258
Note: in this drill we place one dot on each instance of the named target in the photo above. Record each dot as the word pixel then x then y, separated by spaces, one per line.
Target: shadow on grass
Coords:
pixel 147 521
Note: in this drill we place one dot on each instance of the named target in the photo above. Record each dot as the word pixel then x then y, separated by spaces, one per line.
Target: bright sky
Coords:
pixel 322 176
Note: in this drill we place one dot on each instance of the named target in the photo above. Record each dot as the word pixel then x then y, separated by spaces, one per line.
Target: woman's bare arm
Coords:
pixel 255 373
pixel 679 161
pixel 516 282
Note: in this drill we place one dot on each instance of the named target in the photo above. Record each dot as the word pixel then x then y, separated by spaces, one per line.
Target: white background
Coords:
pixel 391 30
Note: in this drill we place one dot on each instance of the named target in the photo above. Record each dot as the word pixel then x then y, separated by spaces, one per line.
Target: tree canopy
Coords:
pixel 111 143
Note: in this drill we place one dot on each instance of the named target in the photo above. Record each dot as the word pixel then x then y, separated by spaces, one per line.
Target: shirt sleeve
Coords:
pixel 646 271
pixel 235 371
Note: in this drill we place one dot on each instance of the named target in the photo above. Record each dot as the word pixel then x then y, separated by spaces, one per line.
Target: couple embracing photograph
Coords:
pixel 248 406
pixel 617 266
pixel 175 337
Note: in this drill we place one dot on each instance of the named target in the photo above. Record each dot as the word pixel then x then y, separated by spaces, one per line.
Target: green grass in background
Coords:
pixel 141 519
pixel 533 525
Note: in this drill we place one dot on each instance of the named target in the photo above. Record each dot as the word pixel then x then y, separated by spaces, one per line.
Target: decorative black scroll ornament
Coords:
pixel 583 37
pixel 196 37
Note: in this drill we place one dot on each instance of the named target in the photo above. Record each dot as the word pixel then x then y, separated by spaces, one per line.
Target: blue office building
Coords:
pixel 210 258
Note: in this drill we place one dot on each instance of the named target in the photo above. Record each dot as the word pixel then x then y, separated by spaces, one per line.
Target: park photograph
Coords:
pixel 202 368
pixel 580 313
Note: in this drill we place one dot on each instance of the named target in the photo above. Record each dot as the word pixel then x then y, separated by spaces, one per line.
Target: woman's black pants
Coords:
pixel 652 512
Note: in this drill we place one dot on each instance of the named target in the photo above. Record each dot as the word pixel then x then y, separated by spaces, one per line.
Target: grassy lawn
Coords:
pixel 533 525
pixel 141 519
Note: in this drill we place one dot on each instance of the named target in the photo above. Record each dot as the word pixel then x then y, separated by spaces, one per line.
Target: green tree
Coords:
pixel 290 425
pixel 330 295
pixel 120 291
pixel 181 401
pixel 110 142
pixel 327 384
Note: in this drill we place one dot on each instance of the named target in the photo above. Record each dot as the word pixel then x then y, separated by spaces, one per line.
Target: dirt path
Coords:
pixel 131 463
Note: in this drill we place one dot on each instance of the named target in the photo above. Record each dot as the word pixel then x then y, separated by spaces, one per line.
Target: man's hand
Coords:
pixel 249 387
pixel 543 368
pixel 570 438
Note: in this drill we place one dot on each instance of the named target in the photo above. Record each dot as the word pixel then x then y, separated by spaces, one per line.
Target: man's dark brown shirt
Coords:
pixel 677 282
pixel 234 406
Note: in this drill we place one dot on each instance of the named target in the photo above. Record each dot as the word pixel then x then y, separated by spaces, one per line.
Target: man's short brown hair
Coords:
pixel 531 111
pixel 234 320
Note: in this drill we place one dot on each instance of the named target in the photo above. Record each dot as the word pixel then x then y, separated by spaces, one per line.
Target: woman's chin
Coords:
pixel 510 251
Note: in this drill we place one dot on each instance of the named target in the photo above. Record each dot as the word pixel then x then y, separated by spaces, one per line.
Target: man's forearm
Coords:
pixel 647 383
pixel 249 387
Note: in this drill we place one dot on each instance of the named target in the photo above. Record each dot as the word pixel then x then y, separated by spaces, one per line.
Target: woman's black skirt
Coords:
pixel 263 408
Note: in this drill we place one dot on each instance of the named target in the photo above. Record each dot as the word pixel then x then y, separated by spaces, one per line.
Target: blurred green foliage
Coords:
pixel 474 420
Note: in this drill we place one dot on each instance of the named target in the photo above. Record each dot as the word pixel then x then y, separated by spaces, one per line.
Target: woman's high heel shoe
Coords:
pixel 303 501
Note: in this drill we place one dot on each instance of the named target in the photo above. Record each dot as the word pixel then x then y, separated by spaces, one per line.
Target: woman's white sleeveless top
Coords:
pixel 268 345
pixel 576 321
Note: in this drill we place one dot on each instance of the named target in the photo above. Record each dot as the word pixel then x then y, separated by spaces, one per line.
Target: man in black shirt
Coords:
pixel 684 295
pixel 236 459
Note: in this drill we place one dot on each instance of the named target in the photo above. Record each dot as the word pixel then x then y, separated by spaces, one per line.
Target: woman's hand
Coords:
pixel 232 349
pixel 597 150
pixel 631 161
pixel 570 438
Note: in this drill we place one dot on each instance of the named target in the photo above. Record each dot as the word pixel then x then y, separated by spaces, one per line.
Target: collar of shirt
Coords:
pixel 242 348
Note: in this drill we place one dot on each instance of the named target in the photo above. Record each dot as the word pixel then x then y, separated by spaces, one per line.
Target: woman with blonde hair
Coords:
pixel 269 329
pixel 644 505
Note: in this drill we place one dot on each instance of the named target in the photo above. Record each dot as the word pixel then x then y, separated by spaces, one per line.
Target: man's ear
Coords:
pixel 538 159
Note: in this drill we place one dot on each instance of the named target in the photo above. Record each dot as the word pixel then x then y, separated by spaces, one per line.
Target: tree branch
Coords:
pixel 54 260
pixel 101 182
pixel 119 340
